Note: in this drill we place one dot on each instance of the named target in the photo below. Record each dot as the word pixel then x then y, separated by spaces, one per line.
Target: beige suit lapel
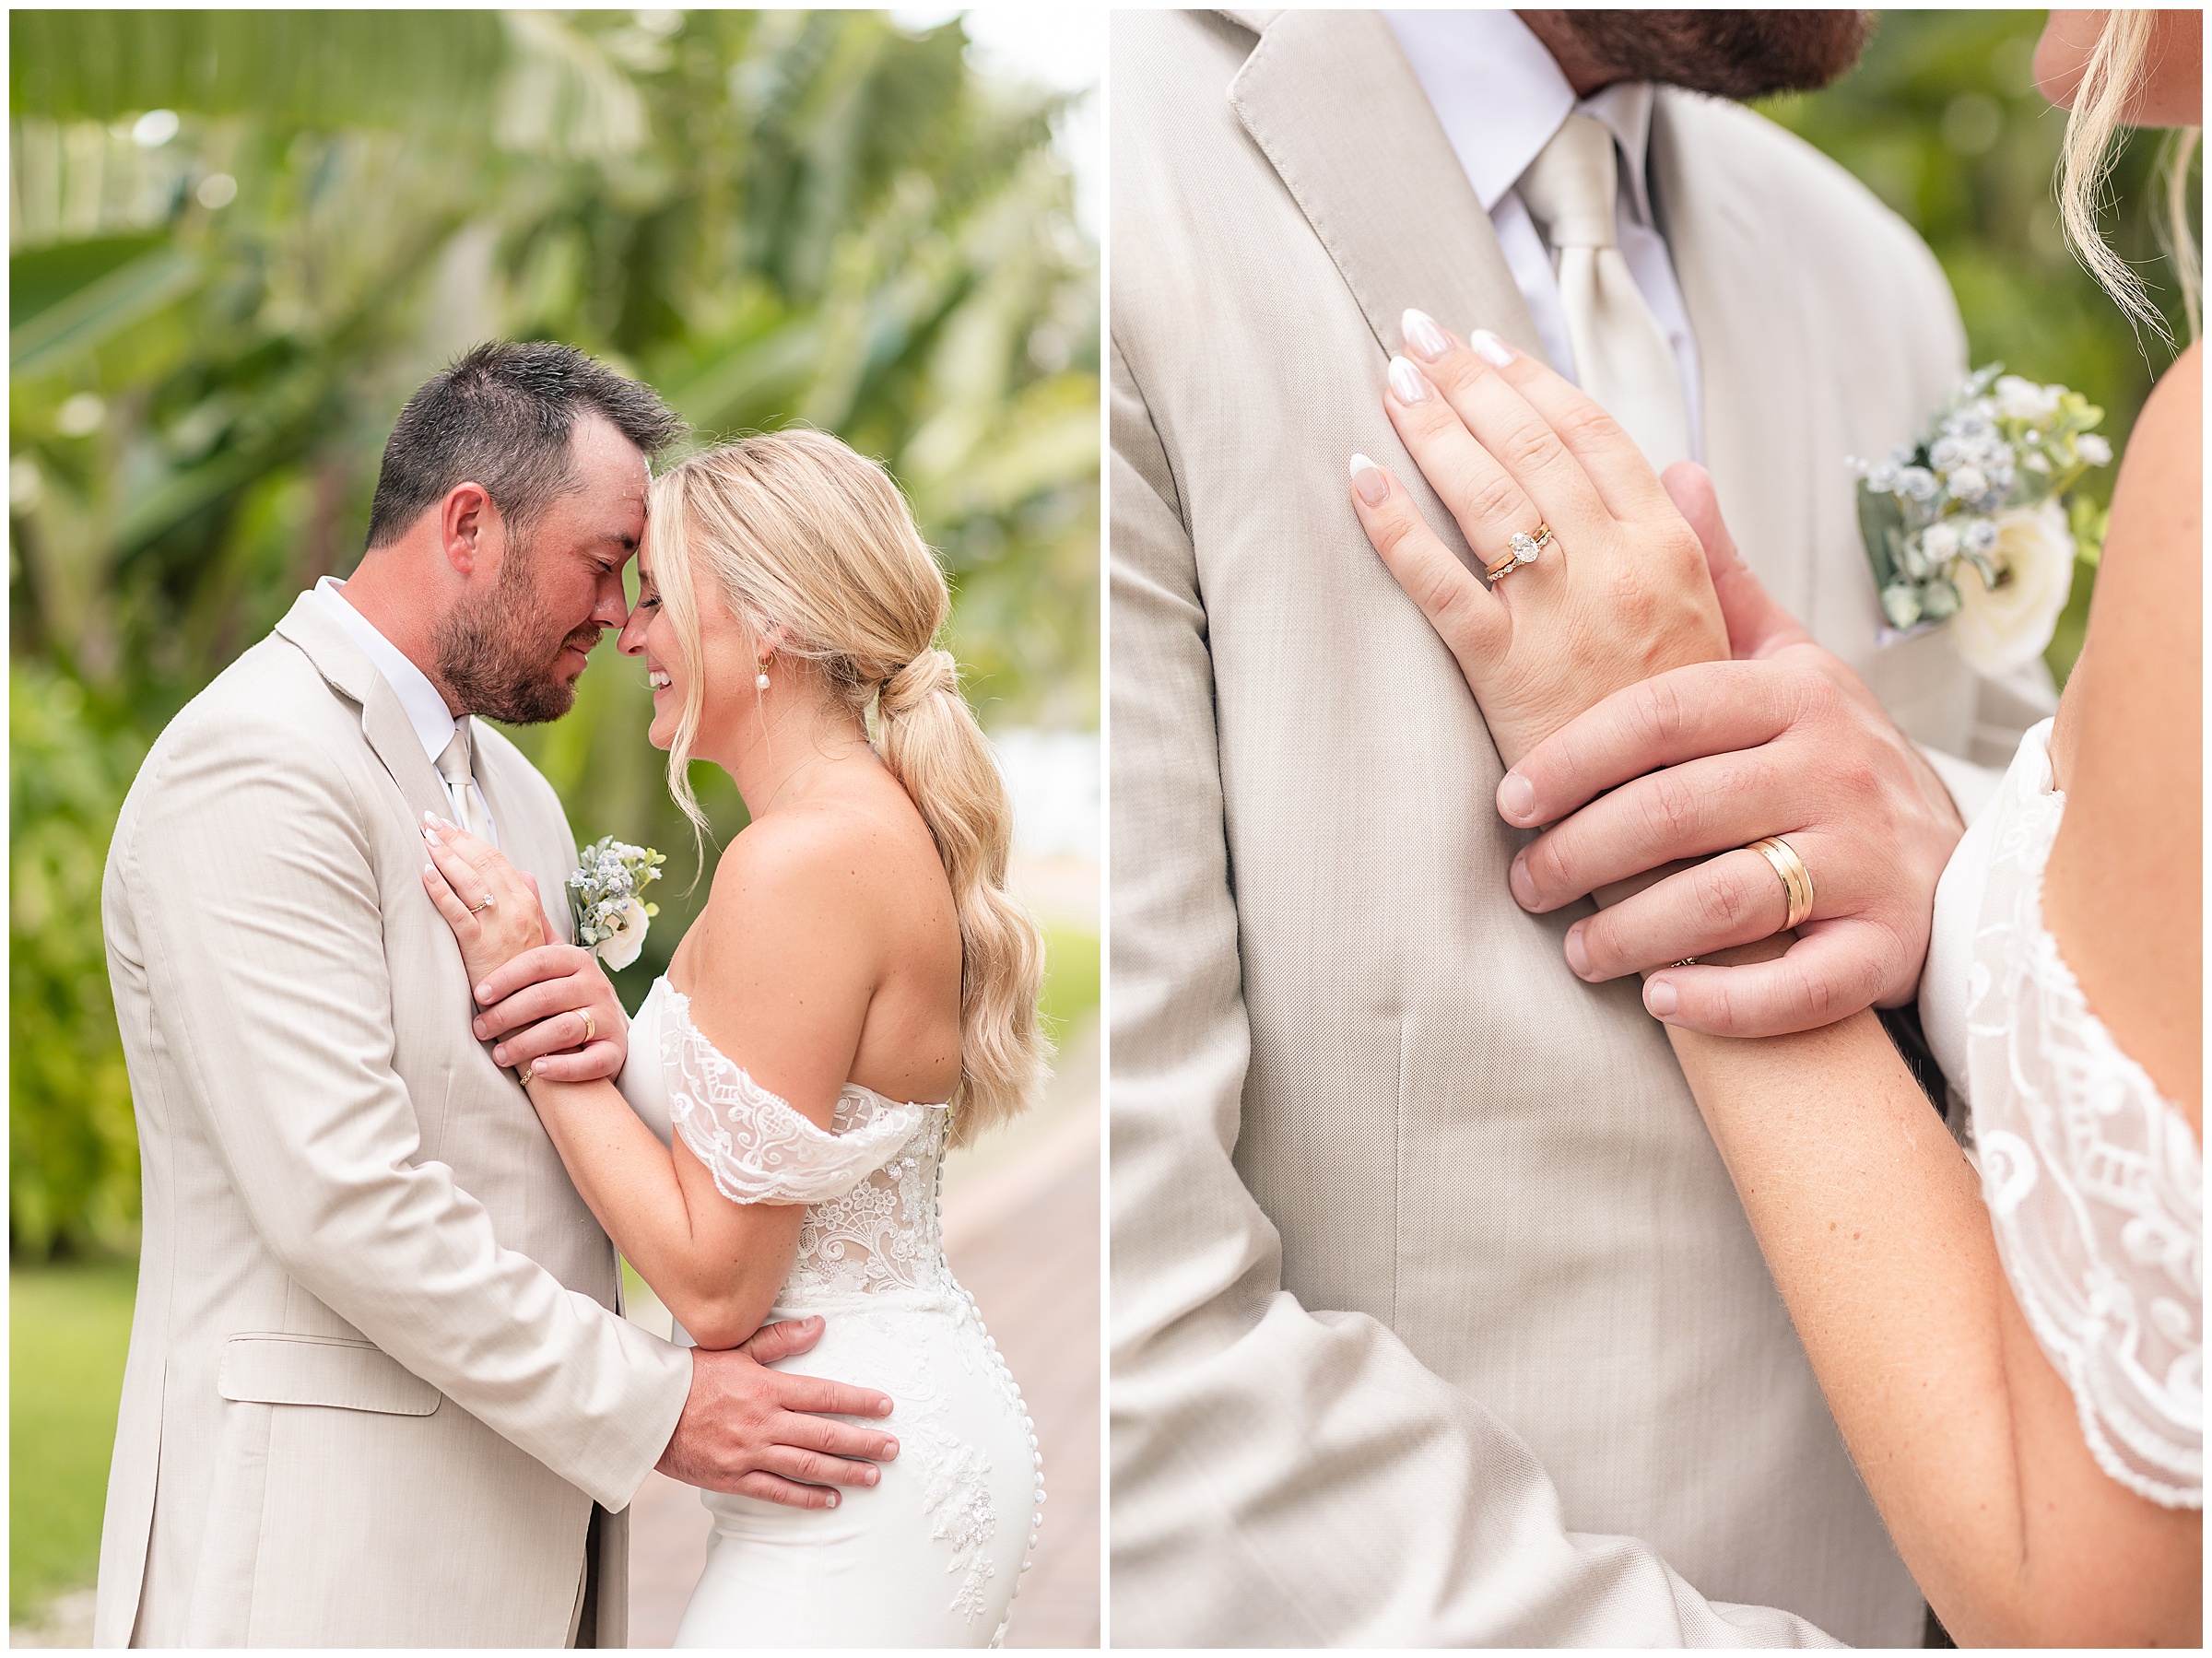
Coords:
pixel 1329 100
pixel 1753 358
pixel 384 722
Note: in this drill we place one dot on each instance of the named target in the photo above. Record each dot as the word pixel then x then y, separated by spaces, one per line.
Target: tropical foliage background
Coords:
pixel 238 240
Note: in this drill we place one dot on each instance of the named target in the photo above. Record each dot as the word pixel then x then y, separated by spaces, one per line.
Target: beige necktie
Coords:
pixel 1621 356
pixel 452 765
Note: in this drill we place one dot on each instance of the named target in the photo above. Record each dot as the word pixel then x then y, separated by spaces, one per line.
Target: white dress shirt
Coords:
pixel 1500 96
pixel 434 724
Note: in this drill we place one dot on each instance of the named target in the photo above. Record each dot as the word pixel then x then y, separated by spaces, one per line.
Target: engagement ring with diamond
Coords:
pixel 1524 547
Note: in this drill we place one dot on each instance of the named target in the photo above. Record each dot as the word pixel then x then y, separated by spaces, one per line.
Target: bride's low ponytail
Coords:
pixel 933 746
pixel 803 533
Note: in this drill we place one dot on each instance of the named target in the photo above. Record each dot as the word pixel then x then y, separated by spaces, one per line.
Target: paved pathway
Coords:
pixel 1021 1230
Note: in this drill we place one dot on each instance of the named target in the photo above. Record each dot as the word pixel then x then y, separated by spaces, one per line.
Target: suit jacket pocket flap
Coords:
pixel 318 1370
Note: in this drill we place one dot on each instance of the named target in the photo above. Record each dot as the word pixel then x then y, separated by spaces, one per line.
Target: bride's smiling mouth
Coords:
pixel 659 680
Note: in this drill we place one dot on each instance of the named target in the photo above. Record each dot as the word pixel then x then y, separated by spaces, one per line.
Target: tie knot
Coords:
pixel 452 764
pixel 1568 189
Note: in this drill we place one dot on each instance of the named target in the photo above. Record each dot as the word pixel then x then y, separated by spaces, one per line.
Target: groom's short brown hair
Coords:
pixel 501 416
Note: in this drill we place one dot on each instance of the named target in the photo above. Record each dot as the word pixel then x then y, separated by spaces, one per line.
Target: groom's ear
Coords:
pixel 465 518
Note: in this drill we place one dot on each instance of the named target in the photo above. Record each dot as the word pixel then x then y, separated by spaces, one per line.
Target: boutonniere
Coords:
pixel 603 896
pixel 1973 525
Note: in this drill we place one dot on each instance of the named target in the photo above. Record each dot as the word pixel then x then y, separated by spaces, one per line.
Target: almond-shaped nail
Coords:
pixel 1369 479
pixel 1407 381
pixel 1423 337
pixel 1490 347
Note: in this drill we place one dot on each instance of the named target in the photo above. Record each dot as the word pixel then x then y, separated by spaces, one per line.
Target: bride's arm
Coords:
pixel 782 989
pixel 1875 1227
pixel 1871 1219
pixel 2124 893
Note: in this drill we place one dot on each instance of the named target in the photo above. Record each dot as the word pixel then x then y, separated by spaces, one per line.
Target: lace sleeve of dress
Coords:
pixel 758 1149
pixel 2094 1181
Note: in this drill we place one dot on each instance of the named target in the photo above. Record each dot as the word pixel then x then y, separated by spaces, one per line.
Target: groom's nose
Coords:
pixel 610 605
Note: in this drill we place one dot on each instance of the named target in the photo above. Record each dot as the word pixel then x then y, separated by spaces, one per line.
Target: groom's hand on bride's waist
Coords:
pixel 535 1008
pixel 1697 764
pixel 756 1432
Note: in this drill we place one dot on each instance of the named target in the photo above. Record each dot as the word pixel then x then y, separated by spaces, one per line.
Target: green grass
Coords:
pixel 1071 978
pixel 69 1328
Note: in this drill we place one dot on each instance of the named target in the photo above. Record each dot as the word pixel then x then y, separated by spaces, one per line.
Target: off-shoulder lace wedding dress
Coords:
pixel 2094 1181
pixel 933 1555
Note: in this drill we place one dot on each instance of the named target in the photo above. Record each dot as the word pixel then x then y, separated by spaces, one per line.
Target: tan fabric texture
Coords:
pixel 377 1377
pixel 1435 1319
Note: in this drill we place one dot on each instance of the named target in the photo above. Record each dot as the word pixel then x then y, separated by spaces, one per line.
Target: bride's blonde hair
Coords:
pixel 2085 163
pixel 801 533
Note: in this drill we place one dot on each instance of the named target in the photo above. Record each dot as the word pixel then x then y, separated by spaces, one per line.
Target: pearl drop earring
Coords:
pixel 762 681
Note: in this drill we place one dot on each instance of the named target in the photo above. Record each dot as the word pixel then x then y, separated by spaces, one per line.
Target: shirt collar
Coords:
pixel 434 722
pixel 1500 96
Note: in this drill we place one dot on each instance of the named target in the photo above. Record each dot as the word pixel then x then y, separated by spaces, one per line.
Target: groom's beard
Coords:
pixel 1729 54
pixel 499 653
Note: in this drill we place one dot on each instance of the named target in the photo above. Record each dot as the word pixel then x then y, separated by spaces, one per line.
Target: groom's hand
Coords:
pixel 535 1008
pixel 756 1432
pixel 1784 740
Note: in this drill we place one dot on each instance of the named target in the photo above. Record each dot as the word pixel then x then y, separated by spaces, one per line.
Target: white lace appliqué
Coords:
pixel 757 1147
pixel 955 1475
pixel 2094 1182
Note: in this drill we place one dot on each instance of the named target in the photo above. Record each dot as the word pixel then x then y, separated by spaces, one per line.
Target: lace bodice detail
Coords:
pixel 869 1181
pixel 2094 1181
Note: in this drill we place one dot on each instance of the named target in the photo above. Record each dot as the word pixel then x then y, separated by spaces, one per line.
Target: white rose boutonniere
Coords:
pixel 1970 524
pixel 2005 627
pixel 605 899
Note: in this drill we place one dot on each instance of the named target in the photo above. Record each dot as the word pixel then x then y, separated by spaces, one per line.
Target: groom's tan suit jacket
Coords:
pixel 1435 1319
pixel 378 1376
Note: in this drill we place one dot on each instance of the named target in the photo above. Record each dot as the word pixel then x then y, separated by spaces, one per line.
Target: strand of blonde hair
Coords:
pixel 2085 167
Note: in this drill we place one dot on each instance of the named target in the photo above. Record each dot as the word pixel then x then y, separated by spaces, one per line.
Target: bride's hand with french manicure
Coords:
pixel 462 875
pixel 1617 592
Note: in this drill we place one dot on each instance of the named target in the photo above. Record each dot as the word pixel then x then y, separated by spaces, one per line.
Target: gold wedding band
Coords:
pixel 1796 879
pixel 475 908
pixel 591 1027
pixel 523 1077
pixel 1686 961
pixel 1524 548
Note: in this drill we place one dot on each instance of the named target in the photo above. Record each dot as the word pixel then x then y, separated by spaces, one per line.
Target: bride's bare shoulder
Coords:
pixel 2143 628
pixel 2124 891
pixel 831 862
pixel 805 854
pixel 2167 444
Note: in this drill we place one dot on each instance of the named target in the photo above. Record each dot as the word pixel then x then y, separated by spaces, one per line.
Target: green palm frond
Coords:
pixel 770 216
